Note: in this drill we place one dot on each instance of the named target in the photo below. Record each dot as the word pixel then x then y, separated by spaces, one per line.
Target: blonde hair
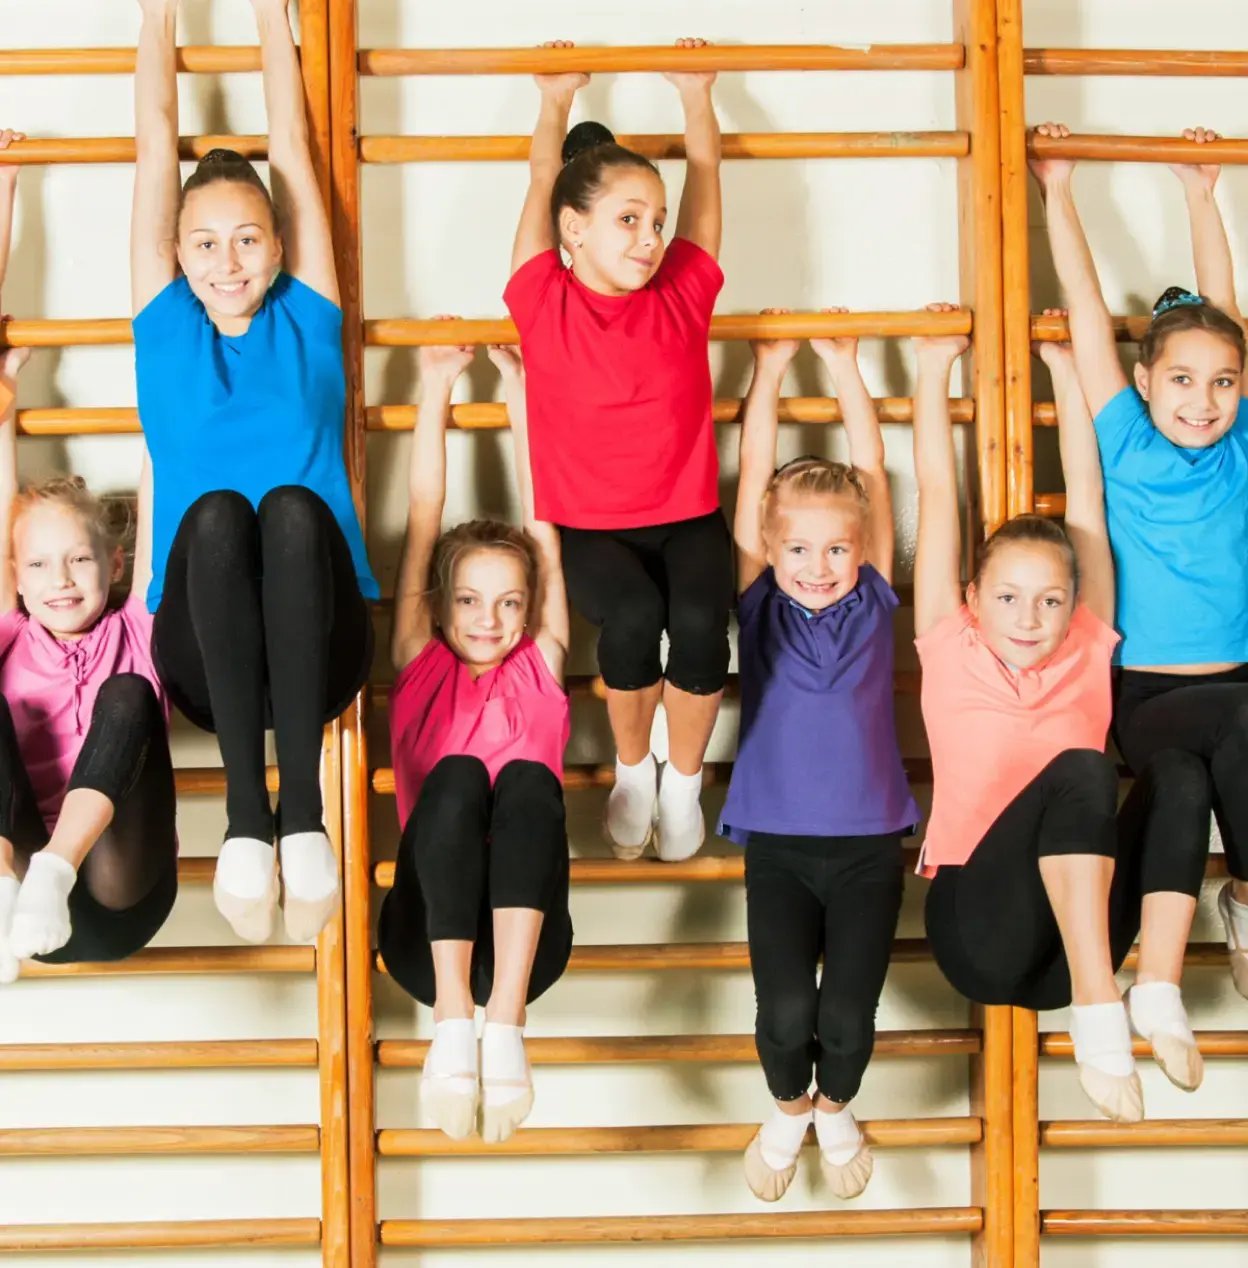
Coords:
pixel 107 520
pixel 817 478
pixel 480 535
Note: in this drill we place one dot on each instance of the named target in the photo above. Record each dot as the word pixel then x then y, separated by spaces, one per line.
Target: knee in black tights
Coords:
pixel 785 1034
pixel 1178 789
pixel 220 519
pixel 1081 798
pixel 528 837
pixel 292 509
pixel 126 697
pixel 698 659
pixel 628 649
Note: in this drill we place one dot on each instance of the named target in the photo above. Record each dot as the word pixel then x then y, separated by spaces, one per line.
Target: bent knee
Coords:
pixel 222 515
pixel 530 783
pixel 1091 773
pixel 454 783
pixel 126 694
pixel 787 1018
pixel 1179 776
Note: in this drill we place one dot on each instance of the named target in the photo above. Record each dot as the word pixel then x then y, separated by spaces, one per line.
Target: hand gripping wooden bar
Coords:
pixel 1137 149
pixel 120 149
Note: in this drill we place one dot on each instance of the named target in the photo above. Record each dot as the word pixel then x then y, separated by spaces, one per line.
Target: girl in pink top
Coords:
pixel 478 723
pixel 88 850
pixel 1026 907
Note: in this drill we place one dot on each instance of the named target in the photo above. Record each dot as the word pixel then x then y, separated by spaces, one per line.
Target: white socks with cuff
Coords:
pixel 1106 1067
pixel 448 1082
pixel 682 828
pixel 781 1137
pixel 1157 1014
pixel 40 923
pixel 629 819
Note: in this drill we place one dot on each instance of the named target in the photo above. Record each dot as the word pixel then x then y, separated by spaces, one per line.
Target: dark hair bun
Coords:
pixel 1175 297
pixel 586 136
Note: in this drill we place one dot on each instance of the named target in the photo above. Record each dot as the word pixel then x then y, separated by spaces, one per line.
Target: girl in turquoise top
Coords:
pixel 1174 450
pixel 259 575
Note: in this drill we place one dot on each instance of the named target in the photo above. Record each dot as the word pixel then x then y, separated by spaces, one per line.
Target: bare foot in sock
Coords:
pixel 448 1082
pixel 771 1157
pixel 1106 1067
pixel 506 1081
pixel 310 883
pixel 1157 1014
pixel 628 822
pixel 245 887
pixel 844 1157
pixel 682 826
pixel 41 915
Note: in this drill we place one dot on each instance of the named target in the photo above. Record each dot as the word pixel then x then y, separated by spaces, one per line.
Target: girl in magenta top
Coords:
pixel 88 851
pixel 478 724
pixel 623 447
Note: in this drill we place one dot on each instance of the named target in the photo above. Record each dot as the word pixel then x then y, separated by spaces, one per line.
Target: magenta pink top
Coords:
pixel 51 685
pixel 515 711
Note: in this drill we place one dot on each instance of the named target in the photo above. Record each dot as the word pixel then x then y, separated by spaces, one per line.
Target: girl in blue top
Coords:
pixel 259 570
pixel 818 794
pixel 1174 448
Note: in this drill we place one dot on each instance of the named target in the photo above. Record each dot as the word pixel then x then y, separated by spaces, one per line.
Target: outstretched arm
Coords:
pixel 8 196
pixel 157 180
pixel 1211 250
pixel 141 574
pixel 11 362
pixel 866 444
pixel 1091 326
pixel 553 625
pixel 938 559
pixel 307 241
pixel 759 424
pixel 413 618
pixel 700 219
pixel 536 231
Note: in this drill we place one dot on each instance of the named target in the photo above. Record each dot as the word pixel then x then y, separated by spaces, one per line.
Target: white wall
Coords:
pixel 869 234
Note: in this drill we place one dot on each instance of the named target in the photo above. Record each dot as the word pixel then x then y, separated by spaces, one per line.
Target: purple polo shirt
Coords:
pixel 818 751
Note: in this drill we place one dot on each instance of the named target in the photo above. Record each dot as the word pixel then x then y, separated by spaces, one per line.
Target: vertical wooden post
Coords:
pixel 1026 1139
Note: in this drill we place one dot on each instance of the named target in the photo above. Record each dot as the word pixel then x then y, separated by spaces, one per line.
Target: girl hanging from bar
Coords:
pixel 88 851
pixel 624 461
pixel 1026 906
pixel 259 568
pixel 1173 444
pixel 823 869
pixel 478 723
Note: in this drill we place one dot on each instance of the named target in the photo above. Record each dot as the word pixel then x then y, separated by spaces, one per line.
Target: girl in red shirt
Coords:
pixel 623 448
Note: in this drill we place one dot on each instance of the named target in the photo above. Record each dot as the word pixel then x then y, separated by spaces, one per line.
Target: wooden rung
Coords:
pixel 85 421
pixel 1057 329
pixel 1133 61
pixel 162 960
pixel 31 1142
pixel 735 145
pixel 1051 504
pixel 1137 149
pixel 1160 1132
pixel 900 1133
pixel 408 1054
pixel 120 149
pixel 216 59
pixel 412 332
pixel 664 57
pixel 583 1230
pixel 199 1054
pixel 1189 1223
pixel 487 415
pixel 169 1235
pixel 1212 1043
pixel 202 780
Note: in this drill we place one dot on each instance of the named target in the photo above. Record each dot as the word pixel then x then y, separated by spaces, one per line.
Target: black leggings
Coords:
pixel 262 623
pixel 806 897
pixel 989 921
pixel 634 583
pixel 127 883
pixel 1185 738
pixel 468 849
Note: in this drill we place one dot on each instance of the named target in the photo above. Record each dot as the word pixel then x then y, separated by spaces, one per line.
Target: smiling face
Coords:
pixel 621 235
pixel 229 249
pixel 815 545
pixel 1193 388
pixel 63 572
pixel 1023 601
pixel 487 608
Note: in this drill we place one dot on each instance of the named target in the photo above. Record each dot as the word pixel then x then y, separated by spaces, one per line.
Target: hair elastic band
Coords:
pixel 1176 298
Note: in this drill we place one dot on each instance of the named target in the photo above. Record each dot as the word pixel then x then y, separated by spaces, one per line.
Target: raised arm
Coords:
pixel 157 179
pixel 759 424
pixel 866 444
pixel 536 231
pixel 307 242
pixel 1085 491
pixel 11 362
pixel 938 559
pixel 700 219
pixel 141 573
pixel 413 619
pixel 1091 326
pixel 8 196
pixel 1211 250
pixel 553 625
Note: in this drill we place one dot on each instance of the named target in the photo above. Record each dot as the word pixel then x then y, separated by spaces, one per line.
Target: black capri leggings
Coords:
pixel 128 881
pixel 262 623
pixel 989 921
pixel 634 583
pixel 1185 738
pixel 807 897
pixel 468 849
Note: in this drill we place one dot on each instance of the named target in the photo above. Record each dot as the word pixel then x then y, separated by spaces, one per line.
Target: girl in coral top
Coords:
pixel 478 724
pixel 624 461
pixel 1026 906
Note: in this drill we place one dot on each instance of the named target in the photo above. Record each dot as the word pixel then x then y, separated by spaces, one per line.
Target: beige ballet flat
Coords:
pixel 251 918
pixel 766 1184
pixel 1238 952
pixel 627 853
pixel 499 1122
pixel 848 1179
pixel 1119 1097
pixel 1180 1061
pixel 452 1109
pixel 305 918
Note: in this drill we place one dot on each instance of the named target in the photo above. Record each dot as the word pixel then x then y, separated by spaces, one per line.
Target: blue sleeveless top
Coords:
pixel 243 412
pixel 818 753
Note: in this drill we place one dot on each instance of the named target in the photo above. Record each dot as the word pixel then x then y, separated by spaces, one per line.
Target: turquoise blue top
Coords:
pixel 1178 525
pixel 244 412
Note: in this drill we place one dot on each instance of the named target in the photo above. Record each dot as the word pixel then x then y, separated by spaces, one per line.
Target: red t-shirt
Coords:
pixel 619 392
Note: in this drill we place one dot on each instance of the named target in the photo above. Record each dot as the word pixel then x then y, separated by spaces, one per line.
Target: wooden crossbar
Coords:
pixel 1135 62
pixel 1189 1223
pixel 1212 1043
pixel 40 151
pixel 165 1235
pixel 38 1142
pixel 202 59
pixel 1089 147
pixel 1057 329
pixel 194 1054
pixel 1153 1132
pixel 159 961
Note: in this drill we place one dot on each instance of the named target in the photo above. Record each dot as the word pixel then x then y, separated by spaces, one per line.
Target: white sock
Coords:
pixel 630 807
pixel 781 1136
pixel 453 1053
pixel 502 1058
pixel 838 1135
pixel 309 868
pixel 41 915
pixel 245 867
pixel 1239 919
pixel 1102 1038
pixel 9 886
pixel 1158 1007
pixel 682 828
